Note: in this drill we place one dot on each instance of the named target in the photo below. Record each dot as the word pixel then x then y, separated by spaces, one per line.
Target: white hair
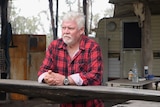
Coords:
pixel 75 16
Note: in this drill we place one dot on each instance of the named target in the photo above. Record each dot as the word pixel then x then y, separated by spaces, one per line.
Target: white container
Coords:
pixel 146 73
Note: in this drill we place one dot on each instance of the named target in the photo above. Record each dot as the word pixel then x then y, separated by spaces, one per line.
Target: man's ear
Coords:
pixel 82 31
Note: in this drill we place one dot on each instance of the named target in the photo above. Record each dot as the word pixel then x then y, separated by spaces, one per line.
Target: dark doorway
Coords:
pixel 132 35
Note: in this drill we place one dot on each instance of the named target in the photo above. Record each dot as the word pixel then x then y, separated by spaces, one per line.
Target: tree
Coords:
pixel 22 25
pixel 96 18
pixel 25 25
pixel 109 11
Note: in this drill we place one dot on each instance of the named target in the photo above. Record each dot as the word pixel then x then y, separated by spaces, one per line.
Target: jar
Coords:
pixel 130 74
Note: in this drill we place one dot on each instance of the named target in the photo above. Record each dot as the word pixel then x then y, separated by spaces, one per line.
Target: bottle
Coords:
pixel 135 73
pixel 146 72
pixel 130 74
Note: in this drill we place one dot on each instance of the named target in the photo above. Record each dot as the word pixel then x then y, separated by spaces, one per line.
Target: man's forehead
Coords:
pixel 69 23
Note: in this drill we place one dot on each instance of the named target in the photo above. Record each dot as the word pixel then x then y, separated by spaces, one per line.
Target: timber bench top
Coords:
pixel 61 94
pixel 130 83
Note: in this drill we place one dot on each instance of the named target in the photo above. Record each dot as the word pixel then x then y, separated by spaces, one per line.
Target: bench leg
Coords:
pixel 156 84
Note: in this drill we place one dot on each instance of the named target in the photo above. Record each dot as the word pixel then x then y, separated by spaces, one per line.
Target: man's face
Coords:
pixel 70 33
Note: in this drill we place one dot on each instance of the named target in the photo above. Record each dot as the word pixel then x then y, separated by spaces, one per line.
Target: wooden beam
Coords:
pixel 85 8
pixel 133 1
pixel 61 94
pixel 122 1
pixel 52 19
pixel 4 23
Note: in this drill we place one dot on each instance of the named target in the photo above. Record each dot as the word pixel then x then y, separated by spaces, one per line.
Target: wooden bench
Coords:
pixel 138 103
pixel 157 82
pixel 146 84
pixel 60 94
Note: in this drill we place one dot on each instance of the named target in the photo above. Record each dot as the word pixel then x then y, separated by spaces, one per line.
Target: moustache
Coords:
pixel 65 35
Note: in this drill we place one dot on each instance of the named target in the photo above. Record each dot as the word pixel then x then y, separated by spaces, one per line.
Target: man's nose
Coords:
pixel 66 30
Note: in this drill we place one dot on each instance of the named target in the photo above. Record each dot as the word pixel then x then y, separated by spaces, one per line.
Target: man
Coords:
pixel 73 59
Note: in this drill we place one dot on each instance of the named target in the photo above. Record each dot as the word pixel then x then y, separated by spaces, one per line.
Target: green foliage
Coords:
pixel 25 25
pixel 22 25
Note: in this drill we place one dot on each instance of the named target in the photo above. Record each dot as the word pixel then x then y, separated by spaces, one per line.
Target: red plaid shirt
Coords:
pixel 87 62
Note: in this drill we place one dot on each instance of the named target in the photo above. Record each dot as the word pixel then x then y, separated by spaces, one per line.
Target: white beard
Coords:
pixel 67 39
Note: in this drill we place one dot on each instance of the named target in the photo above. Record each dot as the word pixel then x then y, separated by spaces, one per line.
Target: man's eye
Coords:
pixel 71 28
pixel 63 27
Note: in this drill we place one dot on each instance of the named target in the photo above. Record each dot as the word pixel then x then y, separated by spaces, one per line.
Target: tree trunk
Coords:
pixel 147 59
pixel 86 17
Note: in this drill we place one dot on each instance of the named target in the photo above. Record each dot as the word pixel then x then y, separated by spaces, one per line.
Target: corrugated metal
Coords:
pixel 156 67
pixel 114 68
pixel 155 25
pixel 114 37
pixel 100 32
pixel 115 41
pixel 129 59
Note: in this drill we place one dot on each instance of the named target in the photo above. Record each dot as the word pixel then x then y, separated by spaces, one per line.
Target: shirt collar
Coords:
pixel 82 42
pixel 62 45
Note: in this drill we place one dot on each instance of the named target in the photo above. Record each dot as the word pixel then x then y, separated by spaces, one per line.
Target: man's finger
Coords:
pixel 50 71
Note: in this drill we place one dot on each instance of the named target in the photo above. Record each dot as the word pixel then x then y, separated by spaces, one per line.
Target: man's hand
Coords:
pixel 52 78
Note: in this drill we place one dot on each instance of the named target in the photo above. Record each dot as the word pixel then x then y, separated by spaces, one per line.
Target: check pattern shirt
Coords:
pixel 87 62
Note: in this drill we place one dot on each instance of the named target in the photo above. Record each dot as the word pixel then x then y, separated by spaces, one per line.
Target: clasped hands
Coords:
pixel 53 78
